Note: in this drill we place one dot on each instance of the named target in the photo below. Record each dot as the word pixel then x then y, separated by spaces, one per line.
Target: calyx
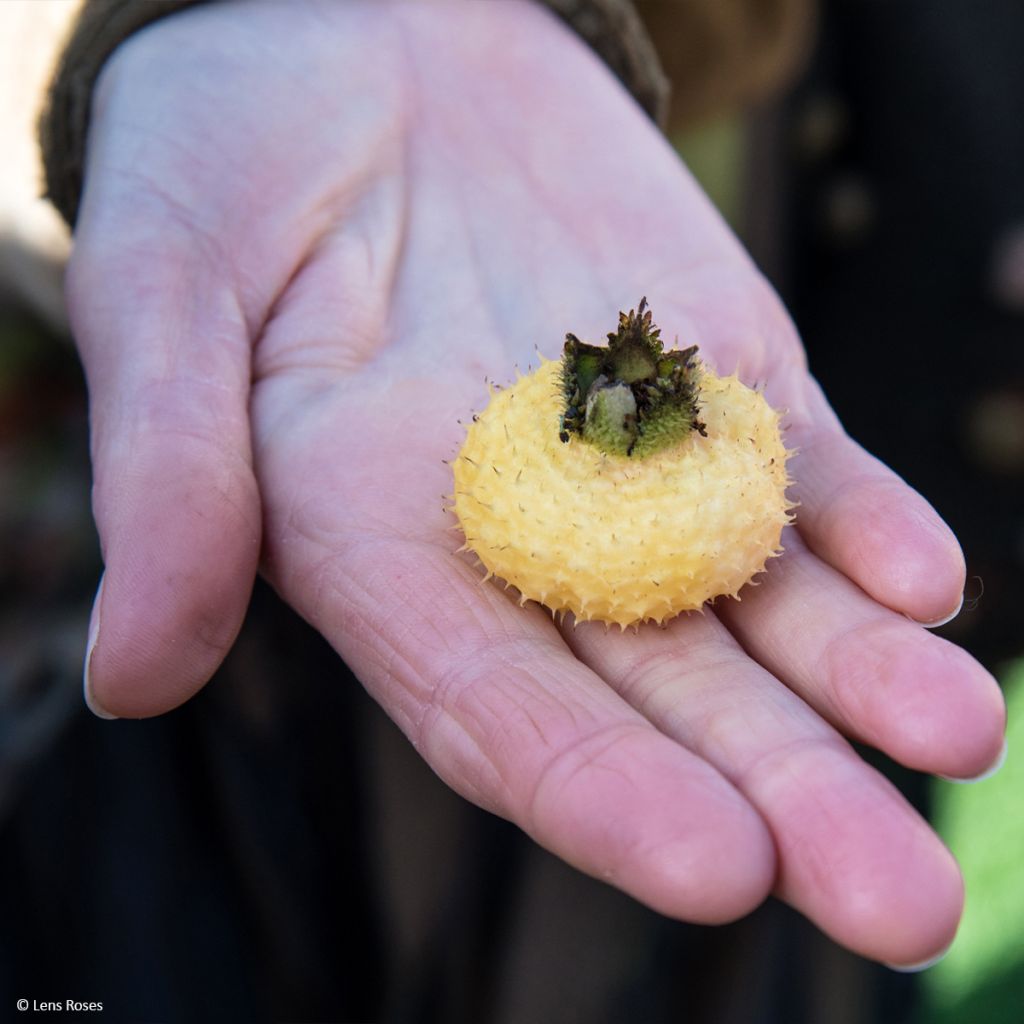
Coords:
pixel 631 397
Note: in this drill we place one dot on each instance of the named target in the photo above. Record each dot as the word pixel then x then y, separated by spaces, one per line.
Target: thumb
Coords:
pixel 166 353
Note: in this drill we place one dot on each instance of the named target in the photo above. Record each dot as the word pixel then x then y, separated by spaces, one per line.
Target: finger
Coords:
pixel 853 855
pixel 491 698
pixel 166 355
pixel 859 516
pixel 879 678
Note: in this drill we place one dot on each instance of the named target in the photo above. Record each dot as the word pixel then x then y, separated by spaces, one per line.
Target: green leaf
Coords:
pixel 981 980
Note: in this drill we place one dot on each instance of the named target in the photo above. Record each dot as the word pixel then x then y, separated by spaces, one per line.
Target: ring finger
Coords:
pixel 853 855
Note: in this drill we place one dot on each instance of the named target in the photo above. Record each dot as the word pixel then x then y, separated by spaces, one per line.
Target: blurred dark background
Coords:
pixel 274 851
pixel 901 258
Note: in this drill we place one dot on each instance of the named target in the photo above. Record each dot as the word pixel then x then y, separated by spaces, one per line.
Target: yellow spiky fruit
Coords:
pixel 614 538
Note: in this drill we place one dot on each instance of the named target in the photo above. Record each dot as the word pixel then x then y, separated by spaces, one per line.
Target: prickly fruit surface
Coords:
pixel 614 538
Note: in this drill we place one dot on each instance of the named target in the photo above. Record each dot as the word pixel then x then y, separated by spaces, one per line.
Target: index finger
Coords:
pixel 859 516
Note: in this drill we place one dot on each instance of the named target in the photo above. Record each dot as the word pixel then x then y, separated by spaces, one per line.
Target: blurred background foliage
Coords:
pixel 981 980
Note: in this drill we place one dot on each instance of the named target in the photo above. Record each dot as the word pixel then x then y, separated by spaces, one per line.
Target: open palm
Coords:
pixel 301 252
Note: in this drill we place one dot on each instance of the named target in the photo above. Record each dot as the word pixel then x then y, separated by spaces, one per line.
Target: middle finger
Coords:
pixel 877 676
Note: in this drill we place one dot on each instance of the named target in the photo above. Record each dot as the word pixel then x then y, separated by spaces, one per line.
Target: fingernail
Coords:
pixel 922 965
pixel 94 631
pixel 948 618
pixel 987 773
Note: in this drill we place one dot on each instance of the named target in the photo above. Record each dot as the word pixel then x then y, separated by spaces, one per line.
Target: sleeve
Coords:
pixel 611 27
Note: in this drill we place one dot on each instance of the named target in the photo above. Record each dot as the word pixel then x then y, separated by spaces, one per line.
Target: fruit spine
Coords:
pixel 623 483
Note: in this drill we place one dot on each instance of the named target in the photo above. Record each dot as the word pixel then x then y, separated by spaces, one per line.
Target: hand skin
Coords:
pixel 307 236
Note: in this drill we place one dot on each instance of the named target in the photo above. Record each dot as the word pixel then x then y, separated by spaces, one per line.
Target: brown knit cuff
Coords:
pixel 616 33
pixel 611 27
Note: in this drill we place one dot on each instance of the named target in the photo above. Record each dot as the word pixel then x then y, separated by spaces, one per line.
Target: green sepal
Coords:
pixel 611 422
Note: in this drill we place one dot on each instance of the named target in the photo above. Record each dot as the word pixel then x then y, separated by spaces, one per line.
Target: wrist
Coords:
pixel 611 27
pixel 101 27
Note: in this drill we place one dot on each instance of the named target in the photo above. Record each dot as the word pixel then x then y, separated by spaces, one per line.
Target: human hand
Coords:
pixel 301 248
